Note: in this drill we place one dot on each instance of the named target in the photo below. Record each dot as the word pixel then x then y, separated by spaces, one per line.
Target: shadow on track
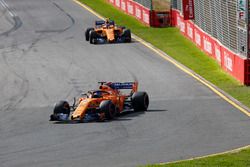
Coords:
pixel 125 116
pixel 115 43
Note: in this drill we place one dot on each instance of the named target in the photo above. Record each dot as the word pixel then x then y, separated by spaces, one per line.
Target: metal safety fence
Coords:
pixel 145 3
pixel 219 18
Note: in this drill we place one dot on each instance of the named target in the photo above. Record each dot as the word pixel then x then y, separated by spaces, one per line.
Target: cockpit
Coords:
pixel 96 94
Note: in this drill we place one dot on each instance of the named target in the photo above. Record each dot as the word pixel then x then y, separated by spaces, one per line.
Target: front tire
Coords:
pixel 92 37
pixel 62 107
pixel 87 33
pixel 108 108
pixel 140 101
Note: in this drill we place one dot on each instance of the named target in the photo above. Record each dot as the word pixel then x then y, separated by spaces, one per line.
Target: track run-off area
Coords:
pixel 45 58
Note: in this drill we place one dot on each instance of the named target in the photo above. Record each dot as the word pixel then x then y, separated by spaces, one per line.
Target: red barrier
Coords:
pixel 138 11
pixel 208 45
pixel 118 3
pixel 240 70
pixel 181 24
pixel 174 14
pixel 227 60
pixel 146 16
pixel 133 8
pixel 234 64
pixel 130 7
pixel 124 5
pixel 112 1
pixel 217 52
pixel 198 36
pixel 190 31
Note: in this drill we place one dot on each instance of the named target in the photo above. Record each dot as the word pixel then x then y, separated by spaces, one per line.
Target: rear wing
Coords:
pixel 101 22
pixel 119 85
pixel 122 85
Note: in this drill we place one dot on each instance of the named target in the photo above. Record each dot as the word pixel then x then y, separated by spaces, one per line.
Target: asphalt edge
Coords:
pixel 225 96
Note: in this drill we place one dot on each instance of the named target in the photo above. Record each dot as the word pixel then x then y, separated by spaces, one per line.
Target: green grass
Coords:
pixel 238 159
pixel 171 41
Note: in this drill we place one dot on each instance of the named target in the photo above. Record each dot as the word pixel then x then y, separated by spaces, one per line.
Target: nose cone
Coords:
pixel 110 35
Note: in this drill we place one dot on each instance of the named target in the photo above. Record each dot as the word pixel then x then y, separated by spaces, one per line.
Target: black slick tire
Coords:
pixel 87 33
pixel 108 108
pixel 140 101
pixel 127 35
pixel 92 37
pixel 62 107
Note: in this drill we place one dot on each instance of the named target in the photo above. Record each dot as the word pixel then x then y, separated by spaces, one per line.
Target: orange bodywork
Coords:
pixel 109 31
pixel 91 103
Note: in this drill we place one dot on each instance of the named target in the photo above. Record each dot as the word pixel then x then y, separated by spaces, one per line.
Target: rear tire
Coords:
pixel 117 112
pixel 53 117
pixel 140 101
pixel 87 33
pixel 108 108
pixel 127 35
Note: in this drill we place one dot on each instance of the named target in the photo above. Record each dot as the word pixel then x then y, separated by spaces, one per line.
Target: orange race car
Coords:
pixel 107 31
pixel 107 102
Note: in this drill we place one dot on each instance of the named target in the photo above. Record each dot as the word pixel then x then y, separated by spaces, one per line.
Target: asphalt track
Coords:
pixel 44 58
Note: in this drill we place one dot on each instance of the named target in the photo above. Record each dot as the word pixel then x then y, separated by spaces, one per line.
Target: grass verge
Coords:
pixel 236 159
pixel 171 41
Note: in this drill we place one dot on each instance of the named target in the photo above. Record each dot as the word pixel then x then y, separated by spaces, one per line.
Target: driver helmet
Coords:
pixel 107 21
pixel 97 94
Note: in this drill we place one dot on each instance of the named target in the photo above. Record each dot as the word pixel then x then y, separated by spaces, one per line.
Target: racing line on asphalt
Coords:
pixel 216 90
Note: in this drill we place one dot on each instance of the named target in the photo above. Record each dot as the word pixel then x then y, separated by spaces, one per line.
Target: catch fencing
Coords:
pixel 145 3
pixel 220 29
pixel 221 20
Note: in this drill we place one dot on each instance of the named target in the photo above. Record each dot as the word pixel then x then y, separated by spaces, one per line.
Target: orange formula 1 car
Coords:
pixel 107 31
pixel 104 103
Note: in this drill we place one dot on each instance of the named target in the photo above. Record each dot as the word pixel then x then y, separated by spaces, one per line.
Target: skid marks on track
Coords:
pixel 17 21
pixel 72 22
pixel 18 83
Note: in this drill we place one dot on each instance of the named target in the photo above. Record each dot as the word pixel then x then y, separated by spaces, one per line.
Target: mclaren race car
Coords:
pixel 107 31
pixel 105 103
